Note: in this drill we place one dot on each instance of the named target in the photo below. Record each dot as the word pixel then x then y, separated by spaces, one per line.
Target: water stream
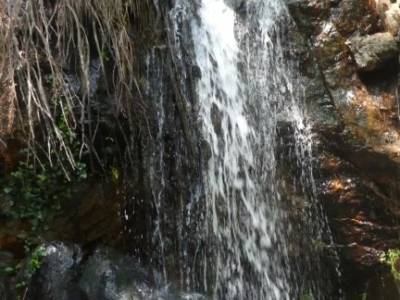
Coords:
pixel 248 89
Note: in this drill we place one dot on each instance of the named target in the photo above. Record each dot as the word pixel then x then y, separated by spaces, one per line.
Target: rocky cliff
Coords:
pixel 355 46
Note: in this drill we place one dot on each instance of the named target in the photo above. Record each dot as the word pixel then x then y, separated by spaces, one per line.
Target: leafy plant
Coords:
pixel 392 259
pixel 37 192
pixel 32 266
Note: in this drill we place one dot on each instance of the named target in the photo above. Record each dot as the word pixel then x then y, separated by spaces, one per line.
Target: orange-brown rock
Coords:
pixel 359 154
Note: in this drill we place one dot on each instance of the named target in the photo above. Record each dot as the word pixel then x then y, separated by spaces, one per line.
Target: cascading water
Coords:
pixel 240 187
pixel 247 90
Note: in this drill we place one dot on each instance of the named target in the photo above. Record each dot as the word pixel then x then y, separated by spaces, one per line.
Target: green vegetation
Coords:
pixel 47 94
pixel 25 271
pixel 34 193
pixel 392 259
pixel 306 296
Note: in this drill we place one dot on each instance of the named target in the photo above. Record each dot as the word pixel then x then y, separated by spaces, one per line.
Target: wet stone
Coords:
pixel 56 278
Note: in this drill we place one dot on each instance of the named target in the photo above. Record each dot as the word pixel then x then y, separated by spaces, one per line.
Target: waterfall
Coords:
pixel 230 189
pixel 248 91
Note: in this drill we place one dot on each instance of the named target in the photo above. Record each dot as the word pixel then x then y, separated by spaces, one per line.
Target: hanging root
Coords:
pixel 45 70
pixel 7 87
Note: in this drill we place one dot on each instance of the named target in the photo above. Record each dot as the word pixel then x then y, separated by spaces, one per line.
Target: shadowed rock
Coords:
pixel 105 275
pixel 236 4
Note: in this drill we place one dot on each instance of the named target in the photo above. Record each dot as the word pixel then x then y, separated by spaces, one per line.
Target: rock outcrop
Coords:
pixel 355 47
pixel 372 52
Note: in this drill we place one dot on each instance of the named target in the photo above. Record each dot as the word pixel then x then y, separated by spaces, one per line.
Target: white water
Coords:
pixel 247 88
pixel 228 182
pixel 241 206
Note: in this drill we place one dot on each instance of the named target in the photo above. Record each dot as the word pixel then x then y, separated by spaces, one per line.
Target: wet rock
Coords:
pixel 382 288
pixel 359 151
pixel 108 275
pixel 236 4
pixel 6 290
pixel 105 275
pixel 56 278
pixel 92 218
pixel 216 118
pixel 373 51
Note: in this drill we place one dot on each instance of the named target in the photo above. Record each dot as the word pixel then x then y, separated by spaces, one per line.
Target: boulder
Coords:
pixel 109 275
pixel 106 274
pixel 56 278
pixel 373 51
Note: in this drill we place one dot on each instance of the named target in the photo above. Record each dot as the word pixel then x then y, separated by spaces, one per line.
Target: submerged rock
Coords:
pixel 373 51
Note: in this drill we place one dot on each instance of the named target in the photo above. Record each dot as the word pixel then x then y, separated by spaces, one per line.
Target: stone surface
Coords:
pixel 6 290
pixel 373 51
pixel 358 154
pixel 389 11
pixel 109 276
pixel 106 274
pixel 92 217
pixel 56 278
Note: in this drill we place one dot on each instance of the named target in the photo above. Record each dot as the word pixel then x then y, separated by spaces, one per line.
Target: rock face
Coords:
pixel 373 51
pixel 353 45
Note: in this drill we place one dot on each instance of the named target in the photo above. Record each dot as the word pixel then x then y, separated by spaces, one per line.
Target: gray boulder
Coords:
pixel 56 278
pixel 108 275
pixel 104 275
pixel 373 51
